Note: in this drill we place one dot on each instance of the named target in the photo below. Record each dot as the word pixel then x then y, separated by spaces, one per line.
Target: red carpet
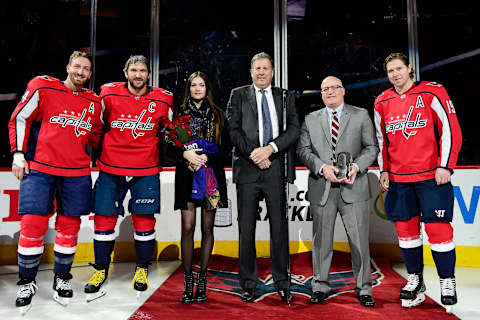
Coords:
pixel 224 295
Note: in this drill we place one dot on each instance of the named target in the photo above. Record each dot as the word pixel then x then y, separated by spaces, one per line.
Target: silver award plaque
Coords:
pixel 344 160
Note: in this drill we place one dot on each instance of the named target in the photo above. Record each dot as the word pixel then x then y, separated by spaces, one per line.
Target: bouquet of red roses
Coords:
pixel 179 133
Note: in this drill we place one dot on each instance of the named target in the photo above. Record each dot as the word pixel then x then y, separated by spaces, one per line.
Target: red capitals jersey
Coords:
pixel 52 125
pixel 131 142
pixel 417 132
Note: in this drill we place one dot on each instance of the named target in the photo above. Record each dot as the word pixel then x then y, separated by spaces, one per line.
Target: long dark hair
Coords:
pixel 219 118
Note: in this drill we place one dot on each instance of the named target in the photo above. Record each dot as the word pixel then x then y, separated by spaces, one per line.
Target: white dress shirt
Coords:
pixel 339 110
pixel 330 111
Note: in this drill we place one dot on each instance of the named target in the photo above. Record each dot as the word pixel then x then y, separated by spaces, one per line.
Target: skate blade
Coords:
pixel 138 293
pixel 61 300
pixel 408 303
pixel 449 309
pixel 23 310
pixel 96 295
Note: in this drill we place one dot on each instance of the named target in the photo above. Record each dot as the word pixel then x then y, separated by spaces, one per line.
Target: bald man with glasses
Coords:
pixel 327 135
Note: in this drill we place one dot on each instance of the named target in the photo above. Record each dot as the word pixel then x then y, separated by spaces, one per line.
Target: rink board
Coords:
pixel 383 238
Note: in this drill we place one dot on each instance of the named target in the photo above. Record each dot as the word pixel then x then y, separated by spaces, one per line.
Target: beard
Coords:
pixel 141 86
pixel 77 81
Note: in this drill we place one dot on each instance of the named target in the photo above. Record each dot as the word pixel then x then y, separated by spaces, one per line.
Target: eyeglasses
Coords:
pixel 334 88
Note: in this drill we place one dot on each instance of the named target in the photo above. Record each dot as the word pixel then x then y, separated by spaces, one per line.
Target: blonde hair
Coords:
pixel 77 54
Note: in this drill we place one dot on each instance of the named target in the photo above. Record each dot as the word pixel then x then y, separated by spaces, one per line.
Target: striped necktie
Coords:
pixel 335 127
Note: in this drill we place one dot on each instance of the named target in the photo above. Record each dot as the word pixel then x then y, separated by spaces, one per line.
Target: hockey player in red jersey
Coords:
pixel 129 160
pixel 419 138
pixel 49 131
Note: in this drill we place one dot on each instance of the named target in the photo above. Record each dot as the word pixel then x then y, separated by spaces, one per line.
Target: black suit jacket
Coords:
pixel 242 115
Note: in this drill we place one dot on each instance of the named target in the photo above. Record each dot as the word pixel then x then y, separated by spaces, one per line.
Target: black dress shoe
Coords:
pixel 285 295
pixel 318 297
pixel 366 300
pixel 248 295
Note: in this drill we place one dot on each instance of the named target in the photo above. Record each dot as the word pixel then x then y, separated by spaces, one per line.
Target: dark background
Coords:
pixel 346 38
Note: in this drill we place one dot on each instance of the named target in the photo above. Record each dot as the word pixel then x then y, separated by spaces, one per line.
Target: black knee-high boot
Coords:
pixel 201 293
pixel 187 296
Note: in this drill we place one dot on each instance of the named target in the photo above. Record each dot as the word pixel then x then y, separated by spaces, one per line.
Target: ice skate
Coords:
pixel 140 281
pixel 93 289
pixel 62 287
pixel 413 293
pixel 448 293
pixel 25 293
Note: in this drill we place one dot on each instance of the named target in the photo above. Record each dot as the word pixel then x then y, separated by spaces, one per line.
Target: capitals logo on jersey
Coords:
pixel 405 123
pixel 134 122
pixel 340 282
pixel 77 120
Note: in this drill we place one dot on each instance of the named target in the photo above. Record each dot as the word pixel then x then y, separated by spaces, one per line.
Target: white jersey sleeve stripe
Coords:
pixel 378 126
pixel 102 112
pixel 446 135
pixel 21 119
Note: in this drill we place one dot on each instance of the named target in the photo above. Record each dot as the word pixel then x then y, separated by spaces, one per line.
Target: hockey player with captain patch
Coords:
pixel 133 113
pixel 419 138
pixel 53 116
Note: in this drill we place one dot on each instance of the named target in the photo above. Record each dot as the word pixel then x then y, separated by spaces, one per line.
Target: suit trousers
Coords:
pixel 271 186
pixel 355 217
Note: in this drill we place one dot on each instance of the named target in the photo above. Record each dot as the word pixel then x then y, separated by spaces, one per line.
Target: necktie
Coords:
pixel 267 122
pixel 335 127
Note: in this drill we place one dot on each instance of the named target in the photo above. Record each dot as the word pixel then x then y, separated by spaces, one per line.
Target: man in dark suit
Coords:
pixel 256 126
pixel 325 133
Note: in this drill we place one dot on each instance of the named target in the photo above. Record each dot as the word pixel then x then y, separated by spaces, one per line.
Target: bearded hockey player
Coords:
pixel 419 138
pixel 49 131
pixel 129 160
